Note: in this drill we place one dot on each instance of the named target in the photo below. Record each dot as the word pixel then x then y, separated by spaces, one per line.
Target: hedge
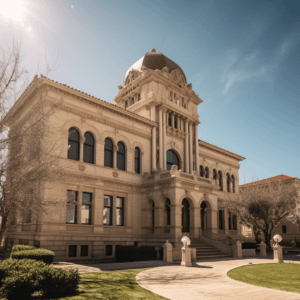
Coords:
pixel 17 248
pixel 21 278
pixel 249 245
pixel 127 253
pixel 44 255
pixel 147 253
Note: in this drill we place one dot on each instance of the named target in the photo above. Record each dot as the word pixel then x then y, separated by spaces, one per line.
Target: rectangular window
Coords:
pixel 84 250
pixel 72 250
pixel 221 223
pixel 234 222
pixel 108 250
pixel 71 216
pixel 86 208
pixel 126 104
pixel 283 229
pixel 107 211
pixel 139 97
pixel 120 211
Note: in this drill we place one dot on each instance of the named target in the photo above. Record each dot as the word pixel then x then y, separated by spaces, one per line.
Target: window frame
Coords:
pixel 73 142
pixel 172 163
pixel 120 208
pixel 137 160
pixel 109 152
pixel 75 206
pixel 121 157
pixel 89 146
pixel 109 207
pixel 90 208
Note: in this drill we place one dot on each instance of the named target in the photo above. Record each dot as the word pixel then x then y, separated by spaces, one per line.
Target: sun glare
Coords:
pixel 14 10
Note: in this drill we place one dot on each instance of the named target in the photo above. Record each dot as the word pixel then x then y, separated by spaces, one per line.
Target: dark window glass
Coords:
pixel 107 212
pixel 108 153
pixel 86 208
pixel 88 148
pixel 137 161
pixel 283 229
pixel 229 220
pixel 71 216
pixel 172 159
pixel 108 250
pixel 73 144
pixel 169 121
pixel 72 250
pixel 221 222
pixel 206 172
pixel 84 250
pixel 126 104
pixel 120 211
pixel 201 171
pixel 214 174
pixel 168 212
pixel 233 183
pixel 139 97
pixel 228 182
pixel 234 222
pixel 121 156
pixel 220 180
pixel 175 122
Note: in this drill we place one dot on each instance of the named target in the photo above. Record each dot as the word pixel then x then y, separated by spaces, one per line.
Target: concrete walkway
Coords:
pixel 208 280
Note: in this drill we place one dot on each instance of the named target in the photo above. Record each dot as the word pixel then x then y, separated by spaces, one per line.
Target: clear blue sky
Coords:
pixel 242 57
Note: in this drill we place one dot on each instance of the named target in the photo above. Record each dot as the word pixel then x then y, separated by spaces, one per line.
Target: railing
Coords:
pixel 165 175
pixel 187 176
pixel 217 244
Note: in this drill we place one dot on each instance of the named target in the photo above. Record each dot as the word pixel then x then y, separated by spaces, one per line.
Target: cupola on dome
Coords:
pixel 155 61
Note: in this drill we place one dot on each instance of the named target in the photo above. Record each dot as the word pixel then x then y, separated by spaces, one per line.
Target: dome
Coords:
pixel 154 60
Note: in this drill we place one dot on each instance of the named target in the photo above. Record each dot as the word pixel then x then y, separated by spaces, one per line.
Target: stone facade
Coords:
pixel 144 178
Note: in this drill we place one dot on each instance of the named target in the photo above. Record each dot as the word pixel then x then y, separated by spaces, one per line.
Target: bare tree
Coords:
pixel 28 150
pixel 262 206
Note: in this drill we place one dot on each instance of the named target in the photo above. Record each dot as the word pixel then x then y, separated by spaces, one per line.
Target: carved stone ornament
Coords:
pixel 115 174
pixel 132 75
pixel 81 168
pixel 178 77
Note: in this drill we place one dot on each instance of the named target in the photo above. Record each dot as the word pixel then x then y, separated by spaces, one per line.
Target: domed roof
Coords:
pixel 154 60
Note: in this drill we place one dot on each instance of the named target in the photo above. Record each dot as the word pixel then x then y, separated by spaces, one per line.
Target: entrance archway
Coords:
pixel 205 213
pixel 185 215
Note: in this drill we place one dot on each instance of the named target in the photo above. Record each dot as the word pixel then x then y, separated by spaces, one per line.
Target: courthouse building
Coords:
pixel 134 172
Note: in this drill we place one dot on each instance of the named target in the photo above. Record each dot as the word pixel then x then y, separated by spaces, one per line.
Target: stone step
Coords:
pixel 213 256
pixel 212 251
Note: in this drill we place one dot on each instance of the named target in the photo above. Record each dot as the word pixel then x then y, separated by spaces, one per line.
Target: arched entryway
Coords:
pixel 205 213
pixel 185 215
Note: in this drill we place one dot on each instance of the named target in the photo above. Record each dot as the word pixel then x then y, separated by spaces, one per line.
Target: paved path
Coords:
pixel 207 280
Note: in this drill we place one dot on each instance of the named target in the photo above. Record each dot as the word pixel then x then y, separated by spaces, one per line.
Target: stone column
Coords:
pixel 226 221
pixel 196 147
pixel 186 147
pixel 168 248
pixel 277 253
pixel 173 120
pixel 237 250
pixel 197 221
pixel 82 139
pixel 158 219
pixel 191 147
pixel 176 220
pixel 115 150
pixel 160 118
pixel 164 139
pixel 154 149
pixel 153 117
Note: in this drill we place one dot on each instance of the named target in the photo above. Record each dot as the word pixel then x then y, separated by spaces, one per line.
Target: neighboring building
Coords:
pixel 288 230
pixel 134 172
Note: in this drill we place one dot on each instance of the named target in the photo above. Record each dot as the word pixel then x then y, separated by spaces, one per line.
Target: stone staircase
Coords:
pixel 204 251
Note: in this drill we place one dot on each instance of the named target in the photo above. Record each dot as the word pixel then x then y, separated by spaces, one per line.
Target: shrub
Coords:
pixel 147 253
pixel 9 266
pixel 44 255
pixel 127 253
pixel 17 248
pixel 58 281
pixel 19 285
pixel 249 245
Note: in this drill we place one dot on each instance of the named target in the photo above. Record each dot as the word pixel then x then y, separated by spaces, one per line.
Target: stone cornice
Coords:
pixel 220 150
pixel 218 161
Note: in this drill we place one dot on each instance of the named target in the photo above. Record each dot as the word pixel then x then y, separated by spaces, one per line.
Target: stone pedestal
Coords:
pixel 237 250
pixel 277 251
pixel 168 248
pixel 263 249
pixel 293 244
pixel 186 259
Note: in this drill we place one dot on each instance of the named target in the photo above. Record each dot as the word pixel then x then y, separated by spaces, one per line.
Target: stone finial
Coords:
pixel 153 50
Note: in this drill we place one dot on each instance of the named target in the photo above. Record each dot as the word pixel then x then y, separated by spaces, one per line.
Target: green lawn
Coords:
pixel 112 285
pixel 284 277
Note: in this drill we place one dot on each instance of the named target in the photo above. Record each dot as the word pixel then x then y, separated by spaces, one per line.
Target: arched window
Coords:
pixel 233 183
pixel 88 148
pixel 214 174
pixel 137 160
pixel 108 153
pixel 228 182
pixel 220 180
pixel 74 144
pixel 201 171
pixel 167 212
pixel 206 172
pixel 121 156
pixel 172 159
